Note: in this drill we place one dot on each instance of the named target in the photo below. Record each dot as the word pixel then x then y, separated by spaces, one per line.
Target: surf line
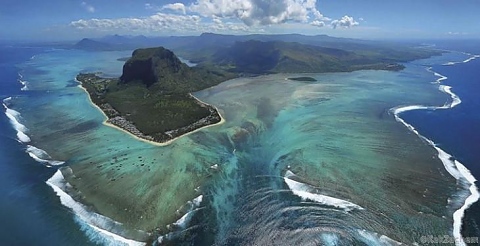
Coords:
pixel 37 154
pixel 453 167
pixel 471 58
pixel 57 182
pixel 107 229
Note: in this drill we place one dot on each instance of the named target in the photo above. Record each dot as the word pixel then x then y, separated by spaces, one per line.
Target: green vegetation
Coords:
pixel 306 79
pixel 151 99
pixel 257 57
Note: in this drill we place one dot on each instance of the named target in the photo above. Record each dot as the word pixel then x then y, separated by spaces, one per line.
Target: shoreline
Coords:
pixel 168 142
pixel 456 169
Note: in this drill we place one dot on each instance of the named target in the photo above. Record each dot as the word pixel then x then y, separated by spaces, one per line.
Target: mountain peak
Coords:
pixel 151 65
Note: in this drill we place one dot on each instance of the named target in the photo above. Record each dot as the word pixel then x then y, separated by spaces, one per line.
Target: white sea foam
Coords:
pixel 185 219
pixel 24 83
pixel 330 239
pixel 453 167
pixel 474 196
pixel 450 63
pixel 447 162
pixel 182 223
pixel 97 222
pixel 192 208
pixel 160 239
pixel 14 117
pixel 455 99
pixel 25 86
pixel 306 192
pixel 473 57
pixel 197 200
pixel 34 152
pixel 373 238
pixel 441 77
pixel 41 156
pixel 7 100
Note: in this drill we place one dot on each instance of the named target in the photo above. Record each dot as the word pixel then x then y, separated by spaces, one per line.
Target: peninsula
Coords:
pixel 152 99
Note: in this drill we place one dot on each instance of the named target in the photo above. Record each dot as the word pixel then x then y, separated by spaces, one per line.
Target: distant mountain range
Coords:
pixel 115 42
pixel 257 57
pixel 211 40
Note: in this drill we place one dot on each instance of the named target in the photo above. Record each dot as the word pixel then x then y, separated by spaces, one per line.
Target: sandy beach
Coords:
pixel 222 120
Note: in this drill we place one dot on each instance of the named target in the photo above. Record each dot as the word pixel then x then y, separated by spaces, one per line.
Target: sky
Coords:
pixel 367 19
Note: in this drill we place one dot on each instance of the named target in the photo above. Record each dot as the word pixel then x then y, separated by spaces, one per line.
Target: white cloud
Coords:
pixel 457 33
pixel 345 22
pixel 217 20
pixel 89 8
pixel 259 12
pixel 227 16
pixel 155 22
pixel 317 23
pixel 180 7
pixel 161 23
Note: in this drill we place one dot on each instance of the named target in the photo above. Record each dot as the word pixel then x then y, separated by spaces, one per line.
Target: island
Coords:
pixel 304 79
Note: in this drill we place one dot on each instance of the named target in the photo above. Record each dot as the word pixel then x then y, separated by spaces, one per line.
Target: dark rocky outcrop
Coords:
pixel 152 65
pixel 162 72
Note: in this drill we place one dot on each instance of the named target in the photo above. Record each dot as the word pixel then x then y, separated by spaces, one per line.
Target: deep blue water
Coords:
pixel 457 130
pixel 30 212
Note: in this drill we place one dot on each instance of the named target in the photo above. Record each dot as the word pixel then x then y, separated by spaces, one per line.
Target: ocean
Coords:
pixel 297 162
pixel 30 212
pixel 457 130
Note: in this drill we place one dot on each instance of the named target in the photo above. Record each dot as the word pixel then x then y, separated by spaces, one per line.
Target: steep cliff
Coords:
pixel 152 65
pixel 161 71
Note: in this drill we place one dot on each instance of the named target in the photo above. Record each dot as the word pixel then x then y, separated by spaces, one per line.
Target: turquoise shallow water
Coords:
pixel 364 174
pixel 338 136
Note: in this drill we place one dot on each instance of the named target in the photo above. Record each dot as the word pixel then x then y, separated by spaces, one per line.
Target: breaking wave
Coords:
pixel 108 229
pixel 37 154
pixel 306 192
pixel 15 118
pixel 42 156
pixel 181 225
